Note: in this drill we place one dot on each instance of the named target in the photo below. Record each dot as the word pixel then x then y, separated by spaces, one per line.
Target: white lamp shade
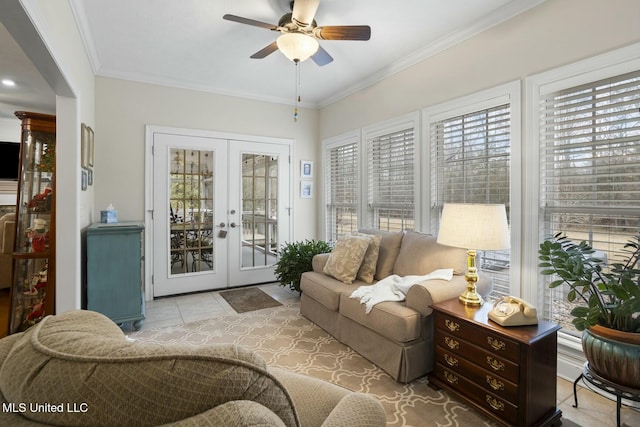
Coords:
pixel 474 226
pixel 297 46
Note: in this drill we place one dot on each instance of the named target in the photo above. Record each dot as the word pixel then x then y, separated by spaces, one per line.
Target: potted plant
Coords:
pixel 295 259
pixel 608 310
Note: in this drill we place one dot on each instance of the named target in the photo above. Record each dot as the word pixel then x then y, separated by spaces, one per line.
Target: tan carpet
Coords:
pixel 287 340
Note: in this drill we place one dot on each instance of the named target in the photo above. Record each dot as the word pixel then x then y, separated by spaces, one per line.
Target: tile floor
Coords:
pixel 594 410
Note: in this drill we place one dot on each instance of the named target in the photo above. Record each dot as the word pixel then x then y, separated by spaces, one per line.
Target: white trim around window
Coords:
pixel 607 65
pixel 508 93
pixel 369 134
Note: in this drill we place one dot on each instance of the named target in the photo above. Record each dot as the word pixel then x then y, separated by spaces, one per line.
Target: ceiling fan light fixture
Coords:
pixel 297 46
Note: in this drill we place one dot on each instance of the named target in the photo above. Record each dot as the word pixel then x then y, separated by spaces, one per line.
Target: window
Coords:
pixel 341 188
pixel 471 146
pixel 590 170
pixel 391 170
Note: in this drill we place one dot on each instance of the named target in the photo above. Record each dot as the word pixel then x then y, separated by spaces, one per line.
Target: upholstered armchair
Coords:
pixel 79 369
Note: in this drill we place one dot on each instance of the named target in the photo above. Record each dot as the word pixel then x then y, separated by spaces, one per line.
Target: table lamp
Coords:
pixel 473 227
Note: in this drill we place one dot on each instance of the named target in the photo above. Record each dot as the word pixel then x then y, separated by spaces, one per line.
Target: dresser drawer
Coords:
pixel 488 380
pixel 484 399
pixel 485 359
pixel 481 337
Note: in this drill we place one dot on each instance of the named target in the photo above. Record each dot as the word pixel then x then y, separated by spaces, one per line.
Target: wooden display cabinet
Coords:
pixel 33 285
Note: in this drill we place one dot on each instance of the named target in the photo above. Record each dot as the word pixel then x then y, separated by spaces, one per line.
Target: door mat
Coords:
pixel 248 299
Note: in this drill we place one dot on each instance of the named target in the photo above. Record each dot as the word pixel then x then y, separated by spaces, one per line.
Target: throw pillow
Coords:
pixel 421 254
pixel 389 249
pixel 346 258
pixel 370 261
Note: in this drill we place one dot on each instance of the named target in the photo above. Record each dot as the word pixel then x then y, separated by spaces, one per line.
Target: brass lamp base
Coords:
pixel 470 296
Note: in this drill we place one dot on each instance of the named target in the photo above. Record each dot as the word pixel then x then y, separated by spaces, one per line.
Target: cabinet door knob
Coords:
pixel 496 365
pixel 496 344
pixel 453 326
pixel 453 344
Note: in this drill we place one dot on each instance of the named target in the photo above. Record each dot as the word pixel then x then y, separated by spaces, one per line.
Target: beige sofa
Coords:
pixel 396 336
pixel 7 231
pixel 79 369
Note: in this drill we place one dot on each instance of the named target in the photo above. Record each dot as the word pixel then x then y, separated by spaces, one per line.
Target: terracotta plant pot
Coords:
pixel 613 355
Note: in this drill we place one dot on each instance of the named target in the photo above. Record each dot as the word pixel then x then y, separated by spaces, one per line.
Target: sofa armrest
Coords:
pixel 357 409
pixel 240 413
pixel 319 261
pixel 421 296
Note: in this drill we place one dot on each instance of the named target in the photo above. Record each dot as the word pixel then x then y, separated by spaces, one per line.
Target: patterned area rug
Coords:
pixel 287 340
pixel 248 299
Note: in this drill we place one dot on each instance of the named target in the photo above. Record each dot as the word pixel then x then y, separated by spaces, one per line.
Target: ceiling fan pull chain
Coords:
pixel 295 111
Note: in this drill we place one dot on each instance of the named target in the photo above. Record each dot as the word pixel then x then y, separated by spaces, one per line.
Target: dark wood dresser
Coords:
pixel 508 374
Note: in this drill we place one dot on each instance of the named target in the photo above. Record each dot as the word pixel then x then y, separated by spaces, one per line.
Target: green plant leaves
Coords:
pixel 610 298
pixel 296 258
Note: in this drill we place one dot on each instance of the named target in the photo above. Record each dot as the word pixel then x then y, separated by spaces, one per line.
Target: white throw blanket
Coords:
pixel 395 288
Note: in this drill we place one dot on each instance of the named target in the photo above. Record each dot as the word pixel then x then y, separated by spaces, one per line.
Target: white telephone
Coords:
pixel 512 311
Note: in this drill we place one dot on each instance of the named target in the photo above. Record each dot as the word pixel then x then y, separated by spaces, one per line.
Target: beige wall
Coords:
pixel 556 33
pixel 123 108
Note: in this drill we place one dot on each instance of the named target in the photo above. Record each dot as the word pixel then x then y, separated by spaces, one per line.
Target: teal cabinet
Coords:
pixel 115 271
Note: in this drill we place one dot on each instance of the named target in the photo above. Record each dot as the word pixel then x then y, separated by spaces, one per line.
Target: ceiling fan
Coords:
pixel 300 33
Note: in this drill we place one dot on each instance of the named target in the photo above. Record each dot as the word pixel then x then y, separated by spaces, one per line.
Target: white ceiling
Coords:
pixel 187 44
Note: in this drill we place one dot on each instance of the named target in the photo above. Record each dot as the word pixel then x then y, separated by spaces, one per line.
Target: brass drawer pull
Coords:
pixel 453 326
pixel 495 403
pixel 453 344
pixel 496 365
pixel 452 379
pixel 496 344
pixel 451 361
pixel 494 383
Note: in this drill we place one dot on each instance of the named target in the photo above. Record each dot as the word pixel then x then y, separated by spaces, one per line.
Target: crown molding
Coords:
pixel 488 21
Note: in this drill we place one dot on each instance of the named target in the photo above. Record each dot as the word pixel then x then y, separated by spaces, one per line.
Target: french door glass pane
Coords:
pixel 191 207
pixel 259 210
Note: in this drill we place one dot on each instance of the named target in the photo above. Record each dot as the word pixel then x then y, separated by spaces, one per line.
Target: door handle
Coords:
pixel 232 225
pixel 222 225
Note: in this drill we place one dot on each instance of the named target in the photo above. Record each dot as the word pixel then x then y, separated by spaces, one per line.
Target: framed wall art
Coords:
pixel 306 169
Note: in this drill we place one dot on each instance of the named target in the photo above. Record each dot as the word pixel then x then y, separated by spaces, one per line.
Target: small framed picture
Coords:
pixel 84 180
pixel 306 189
pixel 306 169
pixel 84 146
pixel 90 154
pixel 90 176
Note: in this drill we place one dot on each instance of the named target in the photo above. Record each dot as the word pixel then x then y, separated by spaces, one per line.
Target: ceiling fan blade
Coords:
pixel 266 51
pixel 343 32
pixel 304 11
pixel 321 57
pixel 248 21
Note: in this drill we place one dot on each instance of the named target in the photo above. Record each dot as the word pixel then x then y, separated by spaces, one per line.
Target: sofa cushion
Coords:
pixel 130 383
pixel 392 320
pixel 325 289
pixel 367 270
pixel 346 258
pixel 420 255
pixel 389 249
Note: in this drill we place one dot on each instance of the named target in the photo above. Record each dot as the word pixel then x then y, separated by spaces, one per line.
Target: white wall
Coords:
pixel 123 108
pixel 72 79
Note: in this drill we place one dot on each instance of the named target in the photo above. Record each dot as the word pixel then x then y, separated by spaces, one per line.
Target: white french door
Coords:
pixel 220 211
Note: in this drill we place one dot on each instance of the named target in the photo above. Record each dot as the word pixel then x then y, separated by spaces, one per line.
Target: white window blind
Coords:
pixel 391 198
pixel 341 178
pixel 471 157
pixel 590 171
